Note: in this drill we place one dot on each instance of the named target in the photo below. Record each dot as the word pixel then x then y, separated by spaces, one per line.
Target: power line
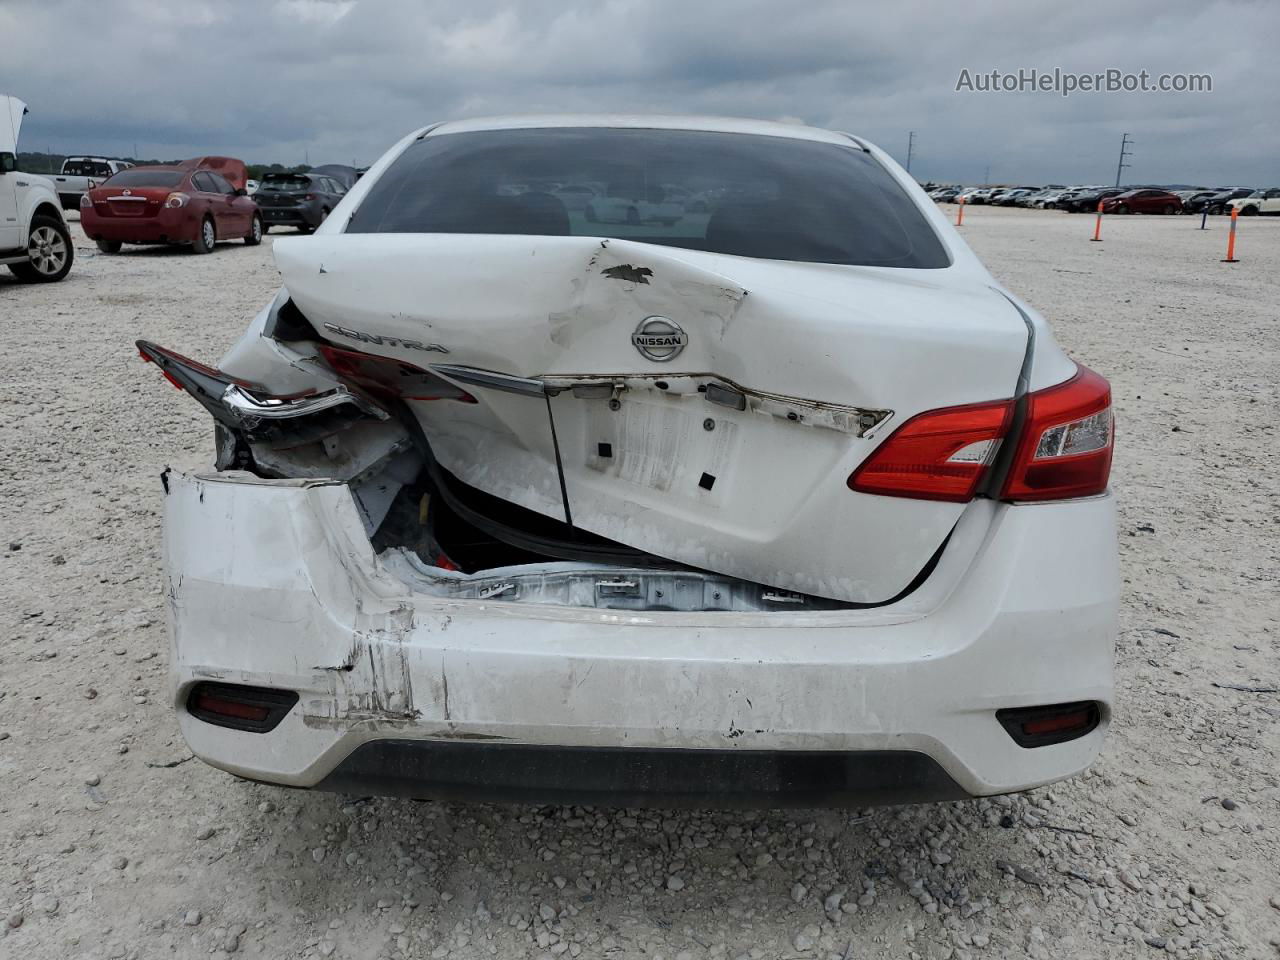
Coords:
pixel 1125 143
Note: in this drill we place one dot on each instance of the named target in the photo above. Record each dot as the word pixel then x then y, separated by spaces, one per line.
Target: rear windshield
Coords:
pixel 85 168
pixel 775 198
pixel 147 178
pixel 285 183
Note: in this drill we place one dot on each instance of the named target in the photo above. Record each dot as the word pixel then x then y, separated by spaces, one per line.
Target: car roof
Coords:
pixel 147 167
pixel 763 128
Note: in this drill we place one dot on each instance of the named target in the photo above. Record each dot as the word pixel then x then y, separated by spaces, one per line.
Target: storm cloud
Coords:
pixel 340 80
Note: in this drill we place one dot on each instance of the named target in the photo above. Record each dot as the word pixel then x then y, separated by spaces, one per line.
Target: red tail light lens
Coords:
pixel 937 455
pixel 1066 443
pixel 386 376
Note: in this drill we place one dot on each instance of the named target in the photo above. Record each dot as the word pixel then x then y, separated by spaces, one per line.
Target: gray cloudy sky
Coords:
pixel 341 80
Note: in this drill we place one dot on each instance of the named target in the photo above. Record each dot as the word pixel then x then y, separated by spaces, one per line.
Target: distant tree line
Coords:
pixel 49 163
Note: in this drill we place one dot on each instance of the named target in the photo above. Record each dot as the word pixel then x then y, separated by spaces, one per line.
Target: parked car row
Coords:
pixel 202 201
pixel 1085 199
pixel 195 203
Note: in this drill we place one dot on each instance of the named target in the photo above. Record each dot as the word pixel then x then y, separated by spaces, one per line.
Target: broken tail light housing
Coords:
pixel 238 404
pixel 1066 441
pixel 1046 725
pixel 387 376
pixel 936 455
pixel 252 709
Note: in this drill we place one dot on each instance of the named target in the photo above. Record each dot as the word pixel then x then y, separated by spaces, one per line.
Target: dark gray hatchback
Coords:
pixel 301 200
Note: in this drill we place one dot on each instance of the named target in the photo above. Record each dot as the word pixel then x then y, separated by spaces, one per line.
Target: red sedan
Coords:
pixel 198 203
pixel 1143 201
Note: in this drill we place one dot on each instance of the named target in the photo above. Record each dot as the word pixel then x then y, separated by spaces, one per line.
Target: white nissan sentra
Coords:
pixel 775 498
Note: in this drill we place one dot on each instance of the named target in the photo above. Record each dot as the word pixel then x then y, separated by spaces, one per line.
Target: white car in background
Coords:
pixel 1258 202
pixel 35 242
pixel 1050 200
pixel 575 196
pixel 634 204
pixel 800 507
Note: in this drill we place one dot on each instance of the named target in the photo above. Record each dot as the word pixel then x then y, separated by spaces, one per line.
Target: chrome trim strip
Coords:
pixel 248 407
pixel 489 378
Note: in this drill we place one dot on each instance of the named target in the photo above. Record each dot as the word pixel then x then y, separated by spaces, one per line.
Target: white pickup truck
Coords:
pixel 34 240
pixel 81 174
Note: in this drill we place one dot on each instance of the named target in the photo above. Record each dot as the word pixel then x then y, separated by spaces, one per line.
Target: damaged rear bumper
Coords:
pixel 273 583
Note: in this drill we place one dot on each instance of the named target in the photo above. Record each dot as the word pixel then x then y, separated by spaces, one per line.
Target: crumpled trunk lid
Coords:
pixel 704 408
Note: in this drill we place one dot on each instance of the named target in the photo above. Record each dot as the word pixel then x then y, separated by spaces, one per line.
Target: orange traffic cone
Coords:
pixel 1231 238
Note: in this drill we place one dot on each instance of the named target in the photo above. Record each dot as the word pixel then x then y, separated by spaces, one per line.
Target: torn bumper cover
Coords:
pixel 274 584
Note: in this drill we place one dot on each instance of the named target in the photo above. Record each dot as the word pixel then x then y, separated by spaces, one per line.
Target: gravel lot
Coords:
pixel 113 843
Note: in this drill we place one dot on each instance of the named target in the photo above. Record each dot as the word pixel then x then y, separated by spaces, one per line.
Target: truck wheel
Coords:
pixel 255 232
pixel 50 251
pixel 206 238
pixel 109 246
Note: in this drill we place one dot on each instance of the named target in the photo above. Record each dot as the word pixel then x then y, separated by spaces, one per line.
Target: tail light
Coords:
pixel 242 405
pixel 1063 448
pixel 309 196
pixel 386 376
pixel 1066 442
pixel 937 455
pixel 175 200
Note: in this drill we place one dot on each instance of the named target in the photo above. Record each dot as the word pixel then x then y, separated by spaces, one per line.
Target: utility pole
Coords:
pixel 1125 143
pixel 911 145
pixel 986 176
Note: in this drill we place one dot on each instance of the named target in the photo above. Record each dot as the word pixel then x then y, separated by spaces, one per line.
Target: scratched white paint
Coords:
pixel 273 583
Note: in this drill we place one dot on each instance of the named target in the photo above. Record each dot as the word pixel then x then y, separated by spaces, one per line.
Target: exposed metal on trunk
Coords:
pixel 601 587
